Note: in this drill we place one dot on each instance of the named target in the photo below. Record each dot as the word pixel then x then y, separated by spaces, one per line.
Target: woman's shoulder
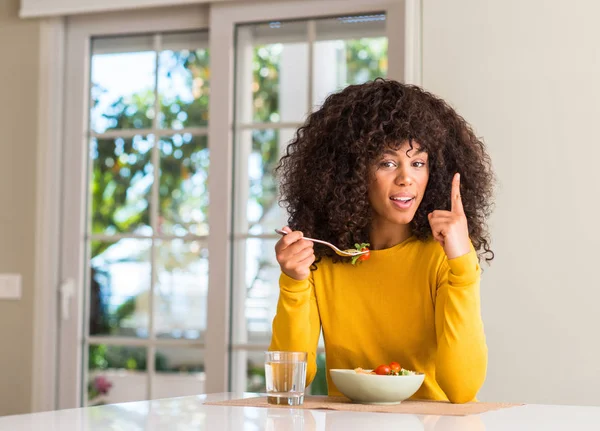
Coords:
pixel 428 252
pixel 427 246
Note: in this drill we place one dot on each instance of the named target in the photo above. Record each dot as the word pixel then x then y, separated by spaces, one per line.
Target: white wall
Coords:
pixel 526 74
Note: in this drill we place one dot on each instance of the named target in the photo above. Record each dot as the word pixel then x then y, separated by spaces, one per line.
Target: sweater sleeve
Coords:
pixel 461 362
pixel 297 325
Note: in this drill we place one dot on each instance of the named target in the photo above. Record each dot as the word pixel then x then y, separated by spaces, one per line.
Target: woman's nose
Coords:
pixel 403 177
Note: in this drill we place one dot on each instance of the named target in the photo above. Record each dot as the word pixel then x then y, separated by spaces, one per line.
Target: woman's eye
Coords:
pixel 418 164
pixel 387 164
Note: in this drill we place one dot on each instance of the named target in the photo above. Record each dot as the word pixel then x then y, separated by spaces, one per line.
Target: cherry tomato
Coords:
pixel 365 256
pixel 383 370
pixel 395 367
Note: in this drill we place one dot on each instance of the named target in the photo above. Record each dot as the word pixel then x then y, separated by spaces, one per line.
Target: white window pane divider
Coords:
pixel 154 222
pixel 119 236
pixel 130 133
pixel 243 148
pixel 259 348
pixel 220 192
pixel 144 342
pixel 266 126
pixel 310 73
pixel 242 236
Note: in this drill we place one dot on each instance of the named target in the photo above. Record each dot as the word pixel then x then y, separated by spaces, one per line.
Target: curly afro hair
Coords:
pixel 324 173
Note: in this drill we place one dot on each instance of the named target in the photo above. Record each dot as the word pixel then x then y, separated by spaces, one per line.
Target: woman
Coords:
pixel 391 165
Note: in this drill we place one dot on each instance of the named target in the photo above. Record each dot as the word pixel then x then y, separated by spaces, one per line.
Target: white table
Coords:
pixel 190 413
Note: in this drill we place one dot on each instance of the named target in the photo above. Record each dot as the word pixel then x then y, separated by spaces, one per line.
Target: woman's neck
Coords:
pixel 385 235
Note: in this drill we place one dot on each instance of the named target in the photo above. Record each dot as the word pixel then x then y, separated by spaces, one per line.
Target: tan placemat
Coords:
pixel 440 408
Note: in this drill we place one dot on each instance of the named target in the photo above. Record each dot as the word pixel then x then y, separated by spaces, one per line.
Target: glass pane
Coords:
pixel 184 161
pixel 117 374
pixel 349 50
pixel 256 185
pixel 181 289
pixel 121 183
pixel 272 64
pixel 123 80
pixel 179 372
pixel 248 371
pixel 257 292
pixel 183 81
pixel 119 287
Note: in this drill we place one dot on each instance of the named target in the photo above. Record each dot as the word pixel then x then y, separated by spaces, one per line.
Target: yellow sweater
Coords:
pixel 408 303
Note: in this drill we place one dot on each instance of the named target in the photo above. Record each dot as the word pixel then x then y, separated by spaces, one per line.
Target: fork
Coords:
pixel 339 252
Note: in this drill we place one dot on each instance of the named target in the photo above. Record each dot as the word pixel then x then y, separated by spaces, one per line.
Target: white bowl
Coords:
pixel 375 389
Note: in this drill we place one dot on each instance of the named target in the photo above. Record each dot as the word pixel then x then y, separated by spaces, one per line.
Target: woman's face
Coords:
pixel 398 182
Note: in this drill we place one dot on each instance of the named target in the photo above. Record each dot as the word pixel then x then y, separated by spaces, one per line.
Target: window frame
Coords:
pixel 72 334
pixel 404 66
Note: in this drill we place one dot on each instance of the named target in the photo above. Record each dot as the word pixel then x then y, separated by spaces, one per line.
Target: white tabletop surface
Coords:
pixel 190 413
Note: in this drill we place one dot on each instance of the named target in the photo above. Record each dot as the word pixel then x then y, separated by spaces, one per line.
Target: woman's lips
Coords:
pixel 402 202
